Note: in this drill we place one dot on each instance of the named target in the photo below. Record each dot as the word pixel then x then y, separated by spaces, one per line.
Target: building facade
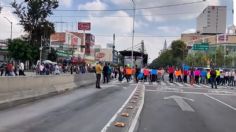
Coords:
pixel 212 20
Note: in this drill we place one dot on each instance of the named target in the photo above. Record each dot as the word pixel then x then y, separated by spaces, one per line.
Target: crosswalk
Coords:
pixel 174 84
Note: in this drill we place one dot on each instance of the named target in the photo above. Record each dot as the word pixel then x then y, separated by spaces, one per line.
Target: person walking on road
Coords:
pixel 137 71
pixel 203 76
pixel 213 78
pixel 105 73
pixel 186 76
pixel 171 73
pixel 197 73
pixel 162 71
pixel 21 69
pixel 98 69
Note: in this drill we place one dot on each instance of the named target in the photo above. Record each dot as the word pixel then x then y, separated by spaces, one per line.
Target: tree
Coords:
pixel 20 50
pixel 52 55
pixel 33 16
pixel 174 56
pixel 179 49
pixel 165 59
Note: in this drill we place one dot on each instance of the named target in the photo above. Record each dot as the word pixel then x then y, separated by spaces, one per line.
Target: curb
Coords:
pixel 135 123
pixel 126 118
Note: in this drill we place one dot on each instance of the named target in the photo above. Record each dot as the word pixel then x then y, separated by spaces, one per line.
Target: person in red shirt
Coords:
pixel 9 69
pixel 146 73
pixel 185 76
pixel 171 71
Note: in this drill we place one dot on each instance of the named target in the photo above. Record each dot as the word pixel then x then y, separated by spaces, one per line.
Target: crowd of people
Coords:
pixel 12 69
pixel 108 72
pixel 211 76
pixel 57 69
pixel 18 69
pixel 203 75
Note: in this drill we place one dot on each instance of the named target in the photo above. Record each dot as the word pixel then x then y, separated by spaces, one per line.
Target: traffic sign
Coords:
pixel 201 46
pixel 84 25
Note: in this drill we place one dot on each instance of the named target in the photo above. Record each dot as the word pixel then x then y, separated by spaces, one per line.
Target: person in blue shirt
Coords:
pixel 203 76
pixel 153 75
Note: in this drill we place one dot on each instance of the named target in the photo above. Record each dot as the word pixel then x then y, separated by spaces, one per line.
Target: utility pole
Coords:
pixel 11 25
pixel 142 52
pixel 132 56
pixel 113 48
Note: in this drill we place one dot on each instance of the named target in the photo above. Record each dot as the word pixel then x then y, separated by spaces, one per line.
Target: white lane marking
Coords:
pixel 132 81
pixel 179 84
pixel 196 85
pixel 107 86
pixel 146 83
pixel 135 120
pixel 155 83
pixel 170 83
pixel 182 103
pixel 233 108
pixel 180 91
pixel 123 81
pixel 119 110
pixel 188 85
pixel 162 83
pixel 204 85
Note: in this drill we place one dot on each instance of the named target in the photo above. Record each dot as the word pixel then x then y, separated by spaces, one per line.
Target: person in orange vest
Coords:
pixel 128 73
pixel 179 75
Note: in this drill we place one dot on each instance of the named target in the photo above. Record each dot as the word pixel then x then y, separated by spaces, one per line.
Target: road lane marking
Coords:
pixel 181 102
pixel 135 120
pixel 197 93
pixel 179 84
pixel 162 83
pixel 188 85
pixel 119 110
pixel 196 85
pixel 233 108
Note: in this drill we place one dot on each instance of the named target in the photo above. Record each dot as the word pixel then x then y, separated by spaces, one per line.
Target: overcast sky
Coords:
pixel 154 26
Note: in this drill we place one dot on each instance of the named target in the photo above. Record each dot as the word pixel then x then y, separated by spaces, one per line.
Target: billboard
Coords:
pixel 84 26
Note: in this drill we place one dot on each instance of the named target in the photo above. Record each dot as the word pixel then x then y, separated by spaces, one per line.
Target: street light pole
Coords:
pixel 11 25
pixel 132 56
pixel 41 48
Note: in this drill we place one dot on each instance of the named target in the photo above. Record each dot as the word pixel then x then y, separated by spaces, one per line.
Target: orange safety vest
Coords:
pixel 129 71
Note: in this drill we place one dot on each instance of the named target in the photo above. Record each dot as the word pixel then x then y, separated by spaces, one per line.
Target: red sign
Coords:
pixel 84 26
pixel 100 55
pixel 223 38
pixel 74 41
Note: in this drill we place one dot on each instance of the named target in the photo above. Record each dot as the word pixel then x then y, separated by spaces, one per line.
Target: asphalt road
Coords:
pixel 168 107
pixel 82 110
pixel 182 108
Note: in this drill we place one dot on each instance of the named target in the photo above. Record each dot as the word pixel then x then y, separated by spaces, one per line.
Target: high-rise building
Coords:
pixel 212 20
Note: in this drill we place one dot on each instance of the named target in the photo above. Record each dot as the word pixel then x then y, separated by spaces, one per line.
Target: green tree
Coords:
pixel 33 16
pixel 165 59
pixel 174 56
pixel 179 49
pixel 20 50
pixel 52 55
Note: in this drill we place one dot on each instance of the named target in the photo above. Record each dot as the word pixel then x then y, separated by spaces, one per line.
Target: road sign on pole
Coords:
pixel 201 46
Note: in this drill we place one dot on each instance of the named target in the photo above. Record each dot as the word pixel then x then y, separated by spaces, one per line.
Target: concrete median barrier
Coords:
pixel 15 90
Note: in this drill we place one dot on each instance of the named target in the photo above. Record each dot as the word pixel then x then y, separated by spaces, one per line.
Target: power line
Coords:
pixel 141 8
pixel 180 13
pixel 125 36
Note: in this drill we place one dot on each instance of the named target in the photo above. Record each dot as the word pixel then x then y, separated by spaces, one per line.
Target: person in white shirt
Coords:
pixel 21 69
pixel 232 78
pixel 222 79
pixel 57 70
pixel 41 68
pixel 226 77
